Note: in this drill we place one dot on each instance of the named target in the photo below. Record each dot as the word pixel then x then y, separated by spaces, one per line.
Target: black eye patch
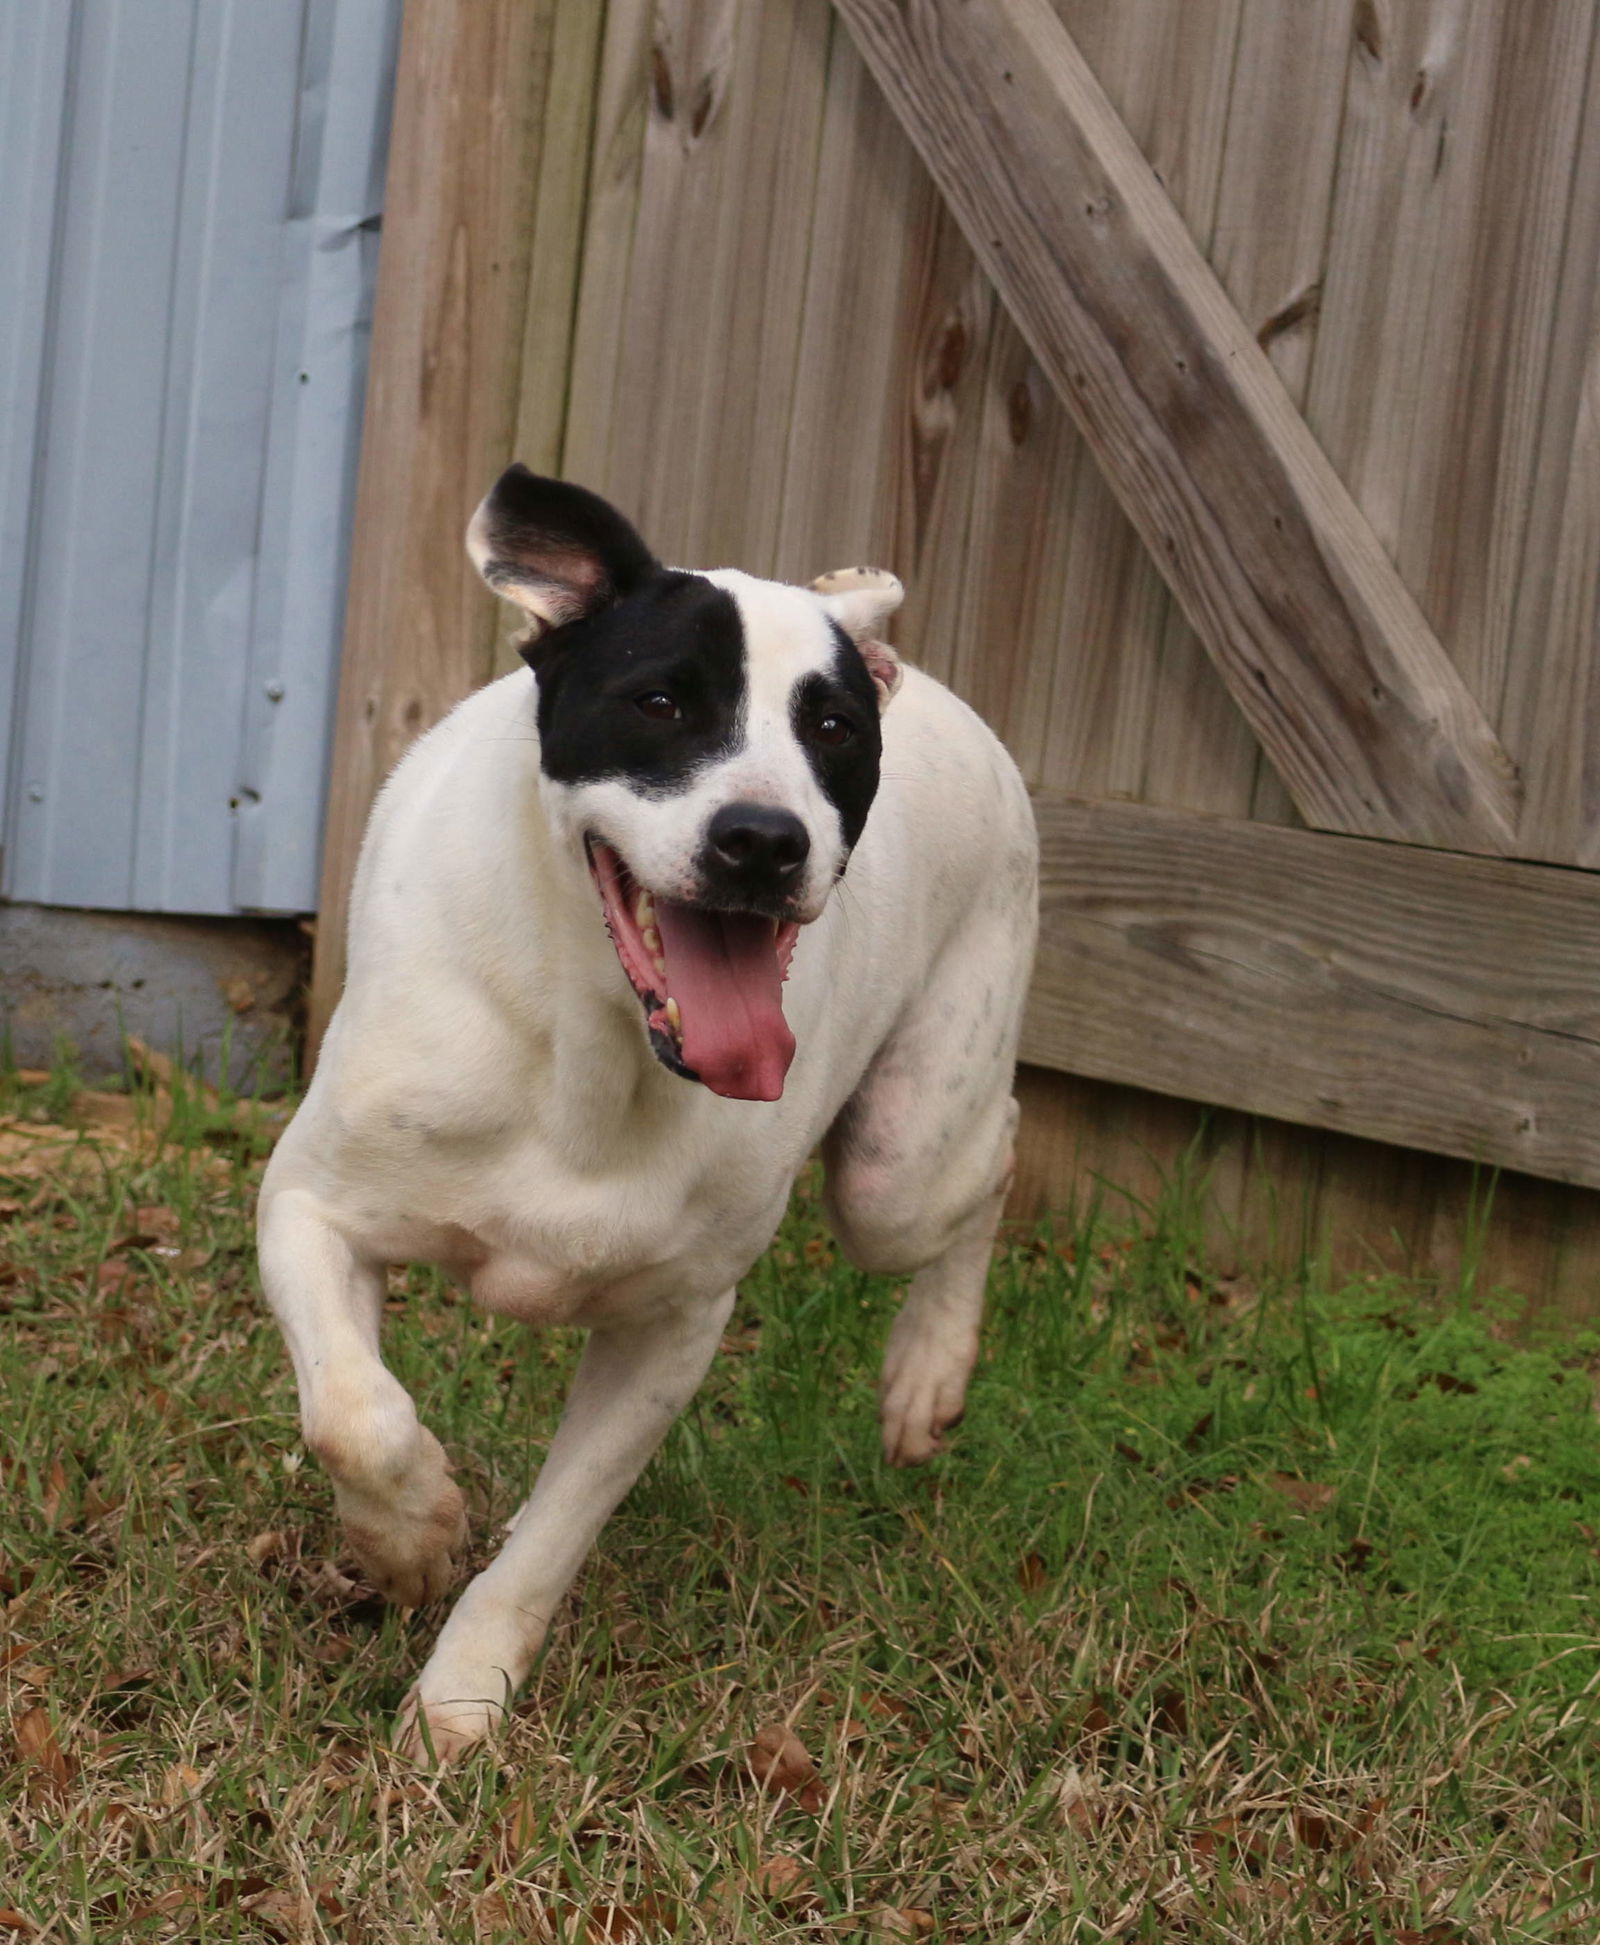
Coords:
pixel 678 636
pixel 845 768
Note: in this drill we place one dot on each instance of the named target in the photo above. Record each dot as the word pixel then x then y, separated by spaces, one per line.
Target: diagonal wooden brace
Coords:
pixel 1323 648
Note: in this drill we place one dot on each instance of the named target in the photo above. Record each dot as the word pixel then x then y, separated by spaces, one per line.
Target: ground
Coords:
pixel 1236 1610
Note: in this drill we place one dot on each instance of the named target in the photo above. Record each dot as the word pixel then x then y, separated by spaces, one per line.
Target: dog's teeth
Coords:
pixel 672 1016
pixel 652 942
pixel 644 911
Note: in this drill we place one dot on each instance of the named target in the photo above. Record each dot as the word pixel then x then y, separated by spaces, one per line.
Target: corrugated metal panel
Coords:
pixel 35 57
pixel 200 392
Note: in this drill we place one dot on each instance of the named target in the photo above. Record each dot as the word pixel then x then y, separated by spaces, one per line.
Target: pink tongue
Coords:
pixel 722 969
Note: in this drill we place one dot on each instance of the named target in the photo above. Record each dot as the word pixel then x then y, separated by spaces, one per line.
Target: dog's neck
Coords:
pixel 552 967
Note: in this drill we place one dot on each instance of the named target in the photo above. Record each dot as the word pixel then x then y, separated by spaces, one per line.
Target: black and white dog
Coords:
pixel 606 995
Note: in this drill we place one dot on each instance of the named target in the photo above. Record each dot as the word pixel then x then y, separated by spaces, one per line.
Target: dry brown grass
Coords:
pixel 1165 1649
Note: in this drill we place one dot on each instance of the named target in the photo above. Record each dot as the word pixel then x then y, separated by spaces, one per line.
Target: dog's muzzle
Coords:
pixel 710 980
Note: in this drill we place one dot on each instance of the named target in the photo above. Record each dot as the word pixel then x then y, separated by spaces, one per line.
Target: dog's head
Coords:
pixel 710 742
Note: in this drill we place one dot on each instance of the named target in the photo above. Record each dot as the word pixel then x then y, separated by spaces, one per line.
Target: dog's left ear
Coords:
pixel 861 600
pixel 557 550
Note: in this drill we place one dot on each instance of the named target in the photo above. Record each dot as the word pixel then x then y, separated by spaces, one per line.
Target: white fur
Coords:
pixel 487 1100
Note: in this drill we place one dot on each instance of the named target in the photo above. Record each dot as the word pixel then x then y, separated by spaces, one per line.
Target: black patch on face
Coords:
pixel 677 637
pixel 847 771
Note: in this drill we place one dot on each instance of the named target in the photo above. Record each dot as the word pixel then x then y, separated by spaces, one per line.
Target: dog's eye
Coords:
pixel 835 730
pixel 659 707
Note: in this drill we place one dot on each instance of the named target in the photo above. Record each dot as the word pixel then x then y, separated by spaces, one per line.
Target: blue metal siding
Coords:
pixel 198 403
pixel 35 53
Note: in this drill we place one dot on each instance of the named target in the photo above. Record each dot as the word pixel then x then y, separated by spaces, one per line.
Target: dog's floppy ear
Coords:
pixel 861 600
pixel 558 551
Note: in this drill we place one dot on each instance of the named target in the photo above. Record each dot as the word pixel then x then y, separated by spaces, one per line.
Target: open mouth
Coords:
pixel 711 982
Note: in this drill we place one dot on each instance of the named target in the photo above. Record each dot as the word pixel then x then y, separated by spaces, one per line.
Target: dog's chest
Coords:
pixel 545 1243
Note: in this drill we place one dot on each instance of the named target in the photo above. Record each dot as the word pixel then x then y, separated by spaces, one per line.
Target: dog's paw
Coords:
pixel 922 1393
pixel 410 1540
pixel 435 1733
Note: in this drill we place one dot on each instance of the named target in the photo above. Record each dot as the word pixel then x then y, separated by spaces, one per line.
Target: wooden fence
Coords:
pixel 1220 375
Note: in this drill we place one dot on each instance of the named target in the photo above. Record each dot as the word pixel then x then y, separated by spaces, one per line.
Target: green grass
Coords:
pixel 1236 1610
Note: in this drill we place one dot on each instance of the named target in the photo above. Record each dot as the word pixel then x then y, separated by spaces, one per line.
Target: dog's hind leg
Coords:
pixel 918 1165
pixel 631 1384
pixel 402 1512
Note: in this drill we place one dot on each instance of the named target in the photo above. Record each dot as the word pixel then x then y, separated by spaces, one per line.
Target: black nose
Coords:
pixel 754 848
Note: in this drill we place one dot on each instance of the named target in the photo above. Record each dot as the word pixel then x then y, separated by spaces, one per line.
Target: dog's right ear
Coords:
pixel 557 550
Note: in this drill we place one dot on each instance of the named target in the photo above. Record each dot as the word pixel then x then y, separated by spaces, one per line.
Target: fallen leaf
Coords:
pixel 1170 1713
pixel 233 1890
pixel 158 1221
pixel 1308 1494
pixel 939 1805
pixel 902 1921
pixel 37 1743
pixel 114 1276
pixel 180 1784
pixel 271 1545
pixel 1032 1573
pixel 1078 1799
pixel 786 1881
pixel 285 1914
pixel 180 1898
pixel 782 1765
pixel 1233 1838
pixel 1315 1831
pixel 129 1676
pixel 97 1109
pixel 1517 1466
pixel 55 1488
pixel 13 1920
pixel 1096 1720
pixel 629 1924
pixel 884 1707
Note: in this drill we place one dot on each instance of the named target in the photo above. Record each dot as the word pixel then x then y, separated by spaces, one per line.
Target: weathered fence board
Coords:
pixel 468 150
pixel 1552 701
pixel 1446 1001
pixel 1449 222
pixel 1269 246
pixel 1166 70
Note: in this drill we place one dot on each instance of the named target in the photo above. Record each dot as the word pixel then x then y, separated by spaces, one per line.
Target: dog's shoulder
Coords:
pixel 940 752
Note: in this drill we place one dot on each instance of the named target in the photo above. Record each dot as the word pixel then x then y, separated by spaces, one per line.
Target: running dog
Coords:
pixel 609 988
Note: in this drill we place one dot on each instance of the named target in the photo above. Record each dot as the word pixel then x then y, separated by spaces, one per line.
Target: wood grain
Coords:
pixel 1268 239
pixel 1551 705
pixel 1166 72
pixel 699 243
pixel 1450 222
pixel 1325 651
pixel 462 192
pixel 1444 1002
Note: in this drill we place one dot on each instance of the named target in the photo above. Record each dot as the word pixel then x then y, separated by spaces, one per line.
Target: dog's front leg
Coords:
pixel 631 1384
pixel 402 1512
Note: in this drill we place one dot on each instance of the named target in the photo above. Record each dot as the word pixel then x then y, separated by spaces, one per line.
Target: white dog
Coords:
pixel 603 1130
